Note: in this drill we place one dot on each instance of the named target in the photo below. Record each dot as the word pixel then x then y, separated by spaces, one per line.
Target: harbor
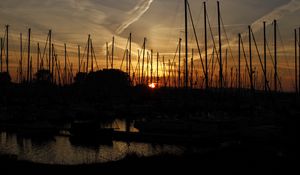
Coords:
pixel 220 92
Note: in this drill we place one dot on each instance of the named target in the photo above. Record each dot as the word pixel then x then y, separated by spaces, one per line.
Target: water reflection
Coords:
pixel 124 125
pixel 60 150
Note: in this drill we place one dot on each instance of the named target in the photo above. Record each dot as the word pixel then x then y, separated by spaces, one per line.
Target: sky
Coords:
pixel 160 21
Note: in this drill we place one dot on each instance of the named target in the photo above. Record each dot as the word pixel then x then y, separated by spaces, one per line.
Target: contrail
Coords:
pixel 135 14
pixel 277 13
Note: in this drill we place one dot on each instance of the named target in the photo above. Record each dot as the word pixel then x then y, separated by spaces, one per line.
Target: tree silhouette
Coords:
pixel 107 78
pixel 43 76
pixel 5 78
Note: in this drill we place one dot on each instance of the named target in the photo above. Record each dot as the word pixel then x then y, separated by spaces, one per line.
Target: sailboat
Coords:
pixel 90 132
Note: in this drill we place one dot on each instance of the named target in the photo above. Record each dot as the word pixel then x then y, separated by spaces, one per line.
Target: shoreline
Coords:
pixel 242 159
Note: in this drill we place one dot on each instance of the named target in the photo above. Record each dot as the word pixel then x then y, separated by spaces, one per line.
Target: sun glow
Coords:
pixel 152 85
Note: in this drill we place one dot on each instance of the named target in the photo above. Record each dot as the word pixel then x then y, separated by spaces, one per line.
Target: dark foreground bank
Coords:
pixel 238 159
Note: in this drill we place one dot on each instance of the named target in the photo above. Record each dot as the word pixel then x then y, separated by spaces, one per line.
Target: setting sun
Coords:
pixel 169 85
pixel 152 85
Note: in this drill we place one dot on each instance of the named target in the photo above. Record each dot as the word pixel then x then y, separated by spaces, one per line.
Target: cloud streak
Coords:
pixel 134 15
pixel 277 13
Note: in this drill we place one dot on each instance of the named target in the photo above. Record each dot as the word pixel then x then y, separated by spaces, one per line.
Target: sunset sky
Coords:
pixel 160 21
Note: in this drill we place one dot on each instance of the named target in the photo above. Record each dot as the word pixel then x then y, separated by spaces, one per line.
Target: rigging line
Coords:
pixel 174 21
pixel 272 59
pixel 130 62
pixel 212 36
pixel 3 47
pixel 131 67
pixel 107 53
pixel 70 68
pixel 23 47
pixel 94 55
pixel 177 48
pixel 82 58
pixel 124 54
pixel 210 58
pixel 4 34
pixel 226 36
pixel 259 57
pixel 138 70
pixel 54 53
pixel 197 41
pixel 68 61
pixel 58 71
pixel 247 66
pixel 174 73
pixel 15 51
pixel 197 24
pixel 277 77
pixel 285 54
pixel 270 54
pixel 46 44
pixel 137 65
pixel 269 50
pixel 213 66
pixel 199 16
pixel 133 73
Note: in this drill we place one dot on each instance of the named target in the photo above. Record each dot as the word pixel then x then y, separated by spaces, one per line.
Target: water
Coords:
pixel 59 150
pixel 120 125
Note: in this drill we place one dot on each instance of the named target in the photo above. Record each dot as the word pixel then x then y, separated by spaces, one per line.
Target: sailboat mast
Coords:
pixel 112 52
pixel 21 58
pixel 192 68
pixel 220 46
pixel 265 57
pixel 88 54
pixel 275 55
pixel 296 66
pixel 226 69
pixel 250 57
pixel 139 66
pixel 65 67
pixel 239 68
pixel 28 58
pixel 78 58
pixel 169 73
pixel 71 74
pixel 130 40
pixel 52 65
pixel 7 49
pixel 92 56
pixel 107 56
pixel 30 74
pixel 205 45
pixel 299 59
pixel 147 69
pixel 144 47
pixel 38 57
pixel 186 43
pixel 164 71
pixel 179 61
pixel 1 52
pixel 151 66
pixel 157 58
pixel 127 59
pixel 50 49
